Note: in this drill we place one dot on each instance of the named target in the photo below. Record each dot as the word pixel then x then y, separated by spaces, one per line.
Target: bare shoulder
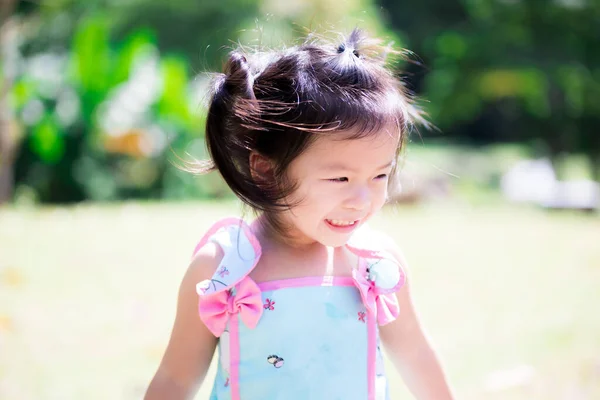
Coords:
pixel 390 246
pixel 203 264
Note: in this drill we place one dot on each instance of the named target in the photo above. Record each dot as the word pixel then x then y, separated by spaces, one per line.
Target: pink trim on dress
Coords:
pixel 371 353
pixel 249 235
pixel 384 305
pixel 234 357
pixel 226 222
pixel 306 281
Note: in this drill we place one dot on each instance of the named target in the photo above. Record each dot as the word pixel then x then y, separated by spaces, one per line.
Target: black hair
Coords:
pixel 276 103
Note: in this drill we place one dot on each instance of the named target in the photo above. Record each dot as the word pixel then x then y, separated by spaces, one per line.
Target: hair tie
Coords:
pixel 342 48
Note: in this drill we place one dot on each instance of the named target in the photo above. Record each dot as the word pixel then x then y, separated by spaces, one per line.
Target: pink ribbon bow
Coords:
pixel 216 309
pixel 385 305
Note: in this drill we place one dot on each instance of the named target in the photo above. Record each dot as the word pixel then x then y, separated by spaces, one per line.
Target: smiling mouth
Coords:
pixel 342 223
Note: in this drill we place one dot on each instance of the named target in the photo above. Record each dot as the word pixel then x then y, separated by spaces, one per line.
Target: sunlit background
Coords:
pixel 100 100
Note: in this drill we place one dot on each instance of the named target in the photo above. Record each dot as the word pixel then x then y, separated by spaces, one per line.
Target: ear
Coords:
pixel 261 167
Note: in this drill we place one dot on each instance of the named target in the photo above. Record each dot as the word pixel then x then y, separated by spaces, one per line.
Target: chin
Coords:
pixel 335 241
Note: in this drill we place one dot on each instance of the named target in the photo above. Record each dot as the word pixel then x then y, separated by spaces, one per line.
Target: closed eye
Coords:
pixel 341 179
pixel 382 176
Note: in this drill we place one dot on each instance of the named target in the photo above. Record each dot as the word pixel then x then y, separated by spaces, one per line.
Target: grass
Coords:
pixel 509 296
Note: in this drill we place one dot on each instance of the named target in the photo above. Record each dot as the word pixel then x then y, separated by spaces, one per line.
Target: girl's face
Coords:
pixel 341 184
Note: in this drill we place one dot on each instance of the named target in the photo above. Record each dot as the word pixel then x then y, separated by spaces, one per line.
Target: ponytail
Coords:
pixel 230 137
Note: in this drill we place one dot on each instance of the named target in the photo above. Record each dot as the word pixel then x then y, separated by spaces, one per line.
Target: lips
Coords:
pixel 341 223
pixel 343 226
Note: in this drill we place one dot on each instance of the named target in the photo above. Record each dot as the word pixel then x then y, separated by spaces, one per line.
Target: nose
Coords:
pixel 359 199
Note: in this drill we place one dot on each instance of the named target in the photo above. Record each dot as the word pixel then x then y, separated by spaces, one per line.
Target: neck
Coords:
pixel 277 234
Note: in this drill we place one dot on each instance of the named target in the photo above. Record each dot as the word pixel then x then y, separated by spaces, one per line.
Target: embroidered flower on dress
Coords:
pixel 227 382
pixel 202 287
pixel 269 304
pixel 223 271
pixel 361 316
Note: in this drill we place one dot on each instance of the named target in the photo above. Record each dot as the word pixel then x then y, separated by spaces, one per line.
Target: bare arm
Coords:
pixel 191 346
pixel 410 351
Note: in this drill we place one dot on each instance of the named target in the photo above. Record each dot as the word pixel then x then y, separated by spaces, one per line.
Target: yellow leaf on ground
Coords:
pixel 11 277
pixel 6 323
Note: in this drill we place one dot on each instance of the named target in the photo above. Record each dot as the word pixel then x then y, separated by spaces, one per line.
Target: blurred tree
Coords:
pixel 103 129
pixel 101 104
pixel 196 29
pixel 8 137
pixel 99 131
pixel 525 71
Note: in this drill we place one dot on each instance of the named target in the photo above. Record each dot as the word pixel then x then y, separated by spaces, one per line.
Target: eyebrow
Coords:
pixel 342 167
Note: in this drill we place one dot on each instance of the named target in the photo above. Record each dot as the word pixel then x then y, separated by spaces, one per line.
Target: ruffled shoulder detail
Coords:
pixel 378 275
pixel 365 242
pixel 384 271
pixel 241 252
pixel 376 264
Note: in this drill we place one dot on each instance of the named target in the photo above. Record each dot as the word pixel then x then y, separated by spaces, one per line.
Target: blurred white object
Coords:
pixel 529 181
pixel 520 376
pixel 582 195
pixel 534 181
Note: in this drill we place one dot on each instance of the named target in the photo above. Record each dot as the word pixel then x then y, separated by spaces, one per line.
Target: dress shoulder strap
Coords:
pixel 241 252
pixel 378 275
pixel 376 264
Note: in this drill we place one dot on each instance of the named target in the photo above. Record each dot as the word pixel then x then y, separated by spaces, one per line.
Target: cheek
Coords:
pixel 380 198
pixel 301 196
pixel 310 201
pixel 321 202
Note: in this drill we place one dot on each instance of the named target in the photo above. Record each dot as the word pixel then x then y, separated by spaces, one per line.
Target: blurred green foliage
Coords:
pixel 108 94
pixel 509 71
pixel 89 115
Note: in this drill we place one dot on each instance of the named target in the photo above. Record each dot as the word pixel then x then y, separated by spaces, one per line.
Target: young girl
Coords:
pixel 299 300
